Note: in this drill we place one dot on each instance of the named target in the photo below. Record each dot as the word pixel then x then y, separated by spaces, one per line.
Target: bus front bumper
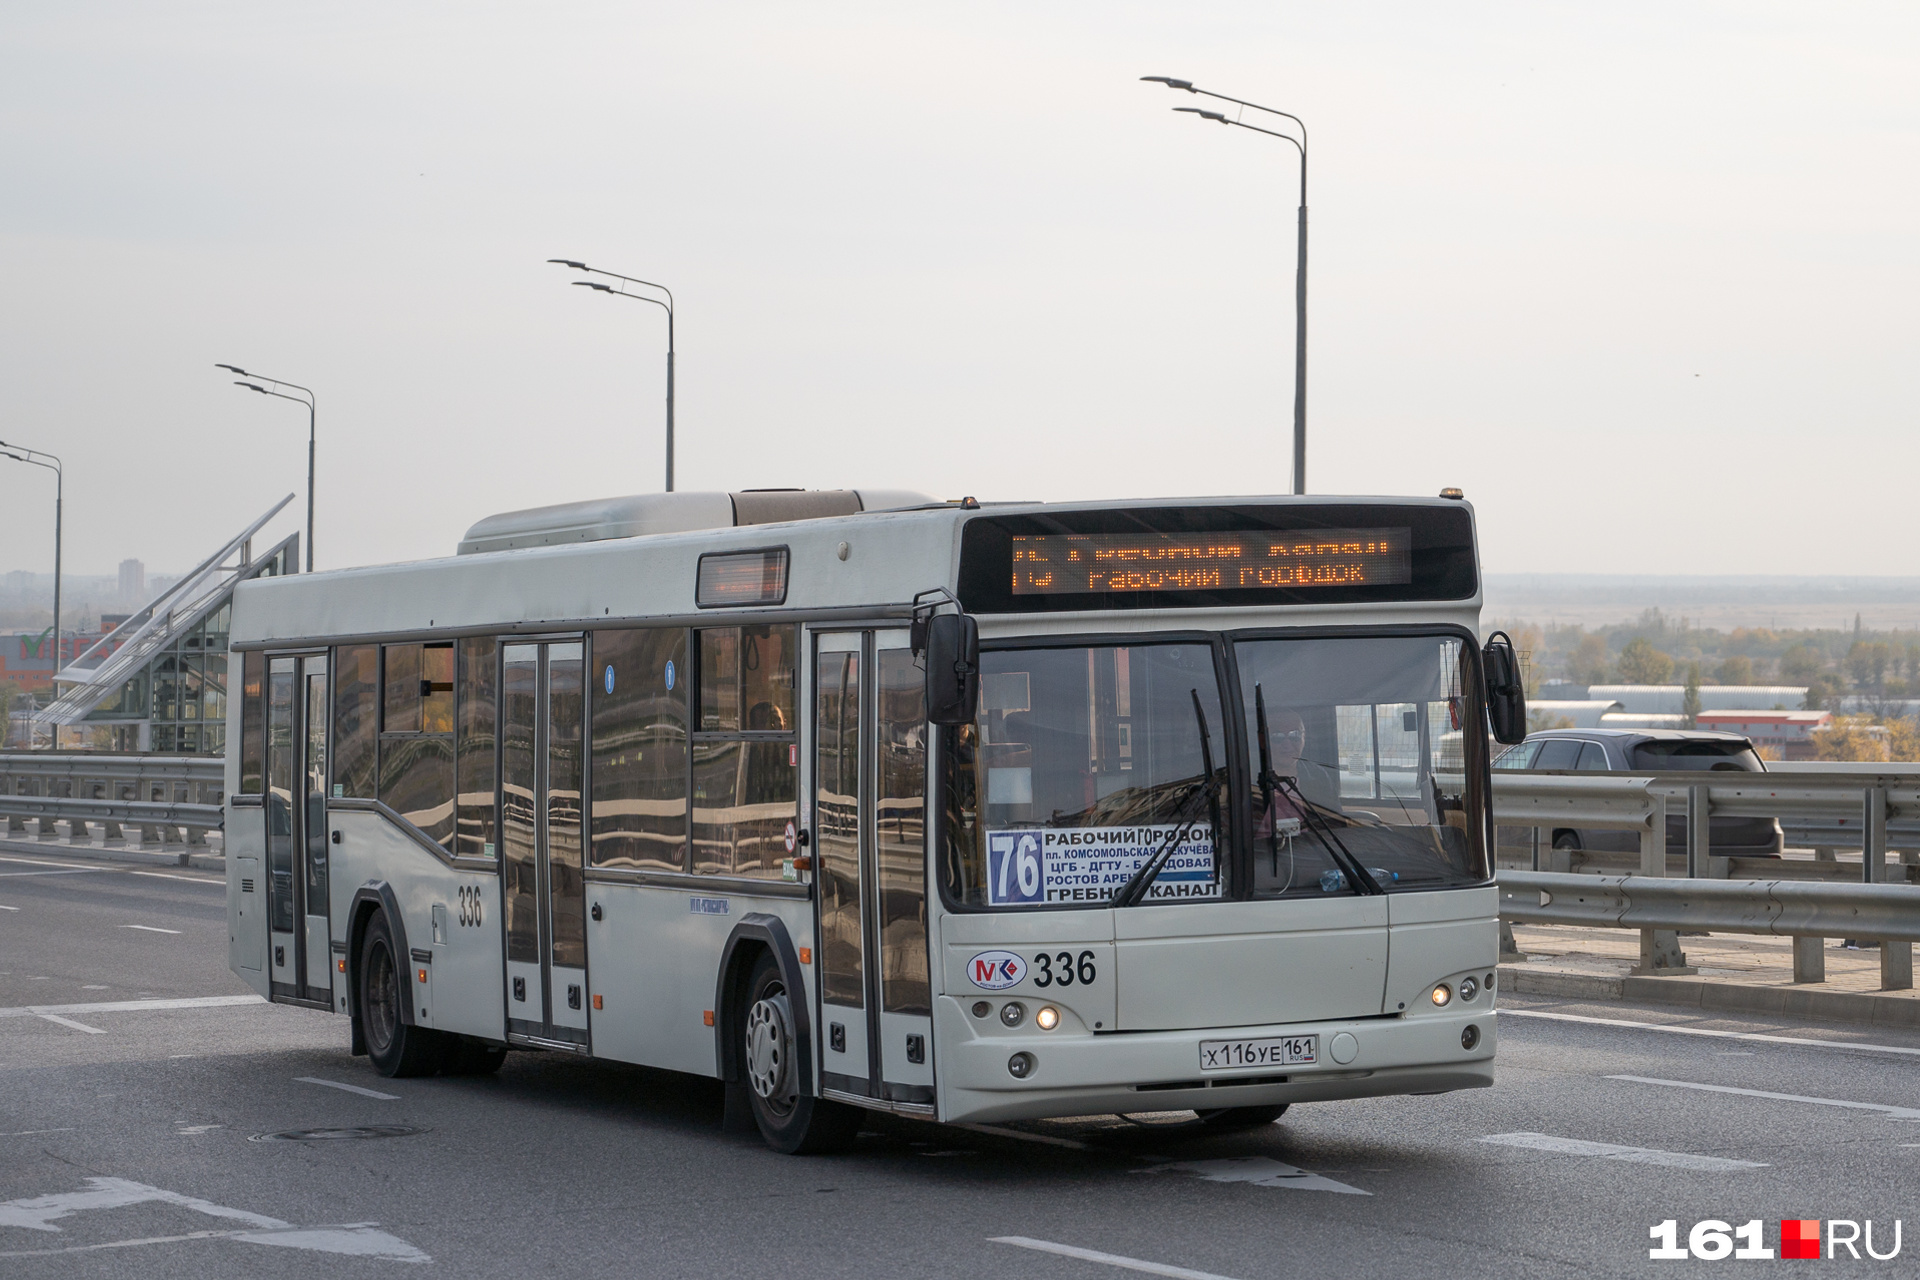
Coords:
pixel 1082 1073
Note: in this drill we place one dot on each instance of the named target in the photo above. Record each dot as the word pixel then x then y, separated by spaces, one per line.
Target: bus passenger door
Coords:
pixel 296 814
pixel 542 771
pixel 870 830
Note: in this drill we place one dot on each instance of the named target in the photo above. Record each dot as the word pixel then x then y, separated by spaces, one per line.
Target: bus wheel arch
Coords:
pixel 759 934
pixel 404 1048
pixel 763 1033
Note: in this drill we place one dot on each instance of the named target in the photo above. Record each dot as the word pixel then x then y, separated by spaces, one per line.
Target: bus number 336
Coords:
pixel 1069 969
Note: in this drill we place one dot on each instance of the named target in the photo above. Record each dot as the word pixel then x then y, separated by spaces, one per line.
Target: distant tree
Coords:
pixel 1690 705
pixel 1800 664
pixel 1822 691
pixel 1735 670
pixel 1867 662
pixel 1641 663
pixel 1903 738
pixel 1852 738
pixel 1588 663
pixel 6 712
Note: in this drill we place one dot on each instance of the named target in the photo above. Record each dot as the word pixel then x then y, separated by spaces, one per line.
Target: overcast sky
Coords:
pixel 1641 278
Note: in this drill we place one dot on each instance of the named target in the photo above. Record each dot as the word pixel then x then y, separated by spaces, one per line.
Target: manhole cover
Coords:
pixel 339 1135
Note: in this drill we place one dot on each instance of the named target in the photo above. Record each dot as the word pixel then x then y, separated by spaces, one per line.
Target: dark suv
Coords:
pixel 1651 751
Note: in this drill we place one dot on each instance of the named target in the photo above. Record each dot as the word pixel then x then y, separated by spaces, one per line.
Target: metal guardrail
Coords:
pixel 1705 897
pixel 167 798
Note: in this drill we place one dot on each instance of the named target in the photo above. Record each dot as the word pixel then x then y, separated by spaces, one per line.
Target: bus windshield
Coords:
pixel 1368 744
pixel 1083 763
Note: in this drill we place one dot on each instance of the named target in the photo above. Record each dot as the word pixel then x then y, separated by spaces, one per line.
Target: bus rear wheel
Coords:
pixel 395 1048
pixel 1234 1119
pixel 790 1122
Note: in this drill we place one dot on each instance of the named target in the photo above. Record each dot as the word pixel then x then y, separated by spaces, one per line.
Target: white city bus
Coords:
pixel 865 800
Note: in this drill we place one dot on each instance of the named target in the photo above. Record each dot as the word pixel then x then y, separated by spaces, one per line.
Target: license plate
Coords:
pixel 1281 1051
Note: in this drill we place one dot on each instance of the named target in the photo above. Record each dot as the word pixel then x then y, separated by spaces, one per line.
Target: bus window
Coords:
pixel 473 750
pixel 1367 739
pixel 1082 764
pixel 253 689
pixel 900 834
pixel 640 748
pixel 746 755
pixel 356 721
pixel 416 738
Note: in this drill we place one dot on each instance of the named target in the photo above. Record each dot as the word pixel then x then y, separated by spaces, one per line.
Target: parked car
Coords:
pixel 1651 751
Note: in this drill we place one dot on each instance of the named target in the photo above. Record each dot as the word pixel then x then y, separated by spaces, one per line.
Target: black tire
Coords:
pixel 790 1122
pixel 1235 1119
pixel 395 1048
pixel 466 1056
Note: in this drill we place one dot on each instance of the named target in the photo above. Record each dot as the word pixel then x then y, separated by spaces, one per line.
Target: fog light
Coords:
pixel 1442 994
pixel 1469 988
pixel 1012 1012
pixel 1021 1065
pixel 1470 1037
pixel 981 1008
pixel 1047 1019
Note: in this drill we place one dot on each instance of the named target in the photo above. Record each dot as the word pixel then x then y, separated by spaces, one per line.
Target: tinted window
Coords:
pixel 474 749
pixel 1519 757
pixel 356 692
pixel 640 749
pixel 416 775
pixel 1696 754
pixel 746 755
pixel 1593 758
pixel 253 691
pixel 1558 753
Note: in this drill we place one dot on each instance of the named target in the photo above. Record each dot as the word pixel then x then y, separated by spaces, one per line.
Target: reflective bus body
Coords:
pixel 674 799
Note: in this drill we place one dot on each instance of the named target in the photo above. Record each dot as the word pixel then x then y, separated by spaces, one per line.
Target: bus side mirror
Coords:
pixel 1506 696
pixel 953 668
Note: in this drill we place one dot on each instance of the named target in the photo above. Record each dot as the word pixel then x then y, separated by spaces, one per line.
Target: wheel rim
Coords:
pixel 383 997
pixel 769 1048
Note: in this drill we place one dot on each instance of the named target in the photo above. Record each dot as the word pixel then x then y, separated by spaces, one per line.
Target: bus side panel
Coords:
pixel 465 989
pixel 246 840
pixel 653 962
pixel 1439 936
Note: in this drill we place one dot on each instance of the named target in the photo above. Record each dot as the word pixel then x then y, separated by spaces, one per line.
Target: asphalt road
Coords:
pixel 130 1145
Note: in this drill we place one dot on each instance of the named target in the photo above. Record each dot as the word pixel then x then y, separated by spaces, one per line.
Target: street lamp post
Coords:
pixel 20 453
pixel 309 402
pixel 666 306
pixel 1300 268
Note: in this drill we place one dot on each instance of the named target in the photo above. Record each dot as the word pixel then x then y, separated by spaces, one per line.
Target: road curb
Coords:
pixel 1867 1007
pixel 140 857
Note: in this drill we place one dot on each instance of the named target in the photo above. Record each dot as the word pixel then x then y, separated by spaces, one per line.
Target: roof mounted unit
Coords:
pixel 648 513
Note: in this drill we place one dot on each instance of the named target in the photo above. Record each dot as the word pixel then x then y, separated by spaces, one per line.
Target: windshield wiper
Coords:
pixel 1310 815
pixel 1134 891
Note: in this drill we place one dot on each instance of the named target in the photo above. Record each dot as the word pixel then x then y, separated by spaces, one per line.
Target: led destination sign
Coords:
pixel 1082 563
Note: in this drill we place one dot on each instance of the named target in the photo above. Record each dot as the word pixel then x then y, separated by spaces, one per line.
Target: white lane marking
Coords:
pixel 1110 1259
pixel 1898 1113
pixel 350 1088
pixel 4 907
pixel 28 1133
pixel 150 928
pixel 1795 1041
pixel 65 871
pixel 69 1022
pixel 1260 1171
pixel 998 1132
pixel 130 1006
pixel 357 1239
pixel 161 875
pixel 194 1130
pixel 41 862
pixel 1609 1151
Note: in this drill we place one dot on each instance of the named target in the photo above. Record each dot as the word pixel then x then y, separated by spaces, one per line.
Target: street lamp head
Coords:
pixel 569 262
pixel 1204 115
pixel 234 368
pixel 603 288
pixel 1170 82
pixel 249 386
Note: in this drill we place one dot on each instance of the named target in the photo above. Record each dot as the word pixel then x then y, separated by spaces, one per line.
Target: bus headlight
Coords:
pixel 1047 1019
pixel 1012 1012
pixel 1442 994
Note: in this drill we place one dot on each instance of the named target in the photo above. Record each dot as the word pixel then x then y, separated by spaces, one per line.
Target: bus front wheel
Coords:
pixel 395 1048
pixel 790 1122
